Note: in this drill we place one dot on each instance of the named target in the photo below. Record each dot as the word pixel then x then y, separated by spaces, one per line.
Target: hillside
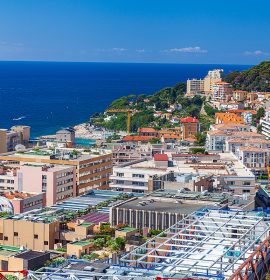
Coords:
pixel 256 78
pixel 147 105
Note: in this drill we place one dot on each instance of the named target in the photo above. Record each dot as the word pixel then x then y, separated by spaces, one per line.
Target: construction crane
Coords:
pixel 128 111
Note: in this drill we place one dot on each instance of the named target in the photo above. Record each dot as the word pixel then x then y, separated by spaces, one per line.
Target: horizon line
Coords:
pixel 127 62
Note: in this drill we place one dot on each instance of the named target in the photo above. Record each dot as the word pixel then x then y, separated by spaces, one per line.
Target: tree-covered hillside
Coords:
pixel 256 78
pixel 146 105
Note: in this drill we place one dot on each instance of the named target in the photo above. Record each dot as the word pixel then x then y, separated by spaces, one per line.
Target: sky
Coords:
pixel 155 31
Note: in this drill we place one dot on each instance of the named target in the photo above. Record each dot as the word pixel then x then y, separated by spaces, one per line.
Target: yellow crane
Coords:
pixel 128 111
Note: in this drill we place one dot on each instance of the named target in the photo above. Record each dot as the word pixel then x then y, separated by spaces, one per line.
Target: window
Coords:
pixel 15 233
pixel 35 236
pixel 5 238
pixel 119 174
pixel 137 175
pixel 46 243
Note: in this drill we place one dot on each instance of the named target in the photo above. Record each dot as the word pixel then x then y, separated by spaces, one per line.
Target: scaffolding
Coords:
pixel 208 243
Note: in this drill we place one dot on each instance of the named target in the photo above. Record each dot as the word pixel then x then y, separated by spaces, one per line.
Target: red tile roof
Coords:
pixel 146 129
pixel 189 120
pixel 161 157
pixel 136 138
pixel 253 112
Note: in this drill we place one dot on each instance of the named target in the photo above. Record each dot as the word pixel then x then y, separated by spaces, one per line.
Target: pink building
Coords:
pixel 22 202
pixel 58 182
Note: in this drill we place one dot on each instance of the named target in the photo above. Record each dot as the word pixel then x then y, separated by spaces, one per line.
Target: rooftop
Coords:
pixel 161 204
pixel 161 157
pixel 82 243
pixel 189 120
pixel 29 255
pixel 253 149
pixel 127 229
pixel 136 138
pixel 9 251
pixel 65 154
pixel 207 243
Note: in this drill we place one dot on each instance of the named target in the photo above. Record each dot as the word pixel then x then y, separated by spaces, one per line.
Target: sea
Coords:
pixel 51 95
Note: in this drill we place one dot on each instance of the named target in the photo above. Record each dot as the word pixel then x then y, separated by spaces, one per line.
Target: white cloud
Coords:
pixel 141 51
pixel 187 50
pixel 119 49
pixel 256 53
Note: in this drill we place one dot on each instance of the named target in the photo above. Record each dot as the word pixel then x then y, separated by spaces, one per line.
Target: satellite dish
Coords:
pixel 20 147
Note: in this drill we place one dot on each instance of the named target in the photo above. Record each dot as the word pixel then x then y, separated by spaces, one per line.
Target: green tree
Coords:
pixel 116 245
pixel 91 256
pixel 154 141
pixel 99 243
pixel 200 139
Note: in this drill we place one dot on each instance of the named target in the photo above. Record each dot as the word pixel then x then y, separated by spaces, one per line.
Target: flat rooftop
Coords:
pixel 227 165
pixel 8 251
pixel 68 154
pixel 82 243
pixel 164 205
pixel 29 255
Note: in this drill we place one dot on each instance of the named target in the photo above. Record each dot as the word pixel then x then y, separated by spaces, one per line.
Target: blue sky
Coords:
pixel 173 31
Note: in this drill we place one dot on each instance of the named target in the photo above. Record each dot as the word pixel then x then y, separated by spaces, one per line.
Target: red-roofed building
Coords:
pixel 147 131
pixel 161 157
pixel 161 160
pixel 137 138
pixel 190 127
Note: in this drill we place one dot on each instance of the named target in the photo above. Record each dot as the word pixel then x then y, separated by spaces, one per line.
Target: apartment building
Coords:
pixel 254 158
pixel 216 139
pixel 221 92
pixel 8 178
pixel 129 153
pixel 212 77
pixel 195 86
pixel 93 167
pixel 233 145
pixel 16 135
pixel 265 123
pixel 57 181
pixel 190 127
pixel 240 95
pixel 140 177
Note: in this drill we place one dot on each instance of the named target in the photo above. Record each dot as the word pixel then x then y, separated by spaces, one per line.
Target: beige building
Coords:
pixel 195 86
pixel 17 259
pixel 93 167
pixel 212 77
pixel 80 248
pixel 34 235
pixel 16 135
pixel 126 232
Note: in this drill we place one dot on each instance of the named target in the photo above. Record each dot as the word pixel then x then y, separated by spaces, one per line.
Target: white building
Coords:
pixel 233 145
pixel 212 77
pixel 265 122
pixel 216 139
pixel 254 157
pixel 140 177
